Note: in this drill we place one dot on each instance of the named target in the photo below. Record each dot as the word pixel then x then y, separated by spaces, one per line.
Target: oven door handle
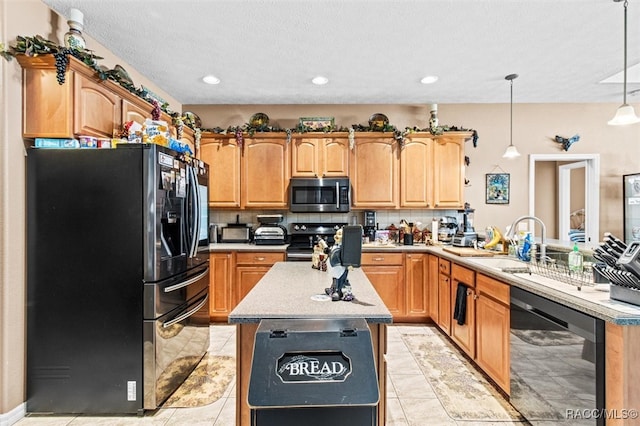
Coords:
pixel 186 314
pixel 337 196
pixel 186 283
pixel 299 255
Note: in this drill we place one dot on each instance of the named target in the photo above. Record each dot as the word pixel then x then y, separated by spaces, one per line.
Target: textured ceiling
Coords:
pixel 373 52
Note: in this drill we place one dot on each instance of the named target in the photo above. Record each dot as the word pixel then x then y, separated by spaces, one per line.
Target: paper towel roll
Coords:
pixel 434 230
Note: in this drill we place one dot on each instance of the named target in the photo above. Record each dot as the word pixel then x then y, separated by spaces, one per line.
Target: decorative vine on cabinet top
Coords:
pixel 83 105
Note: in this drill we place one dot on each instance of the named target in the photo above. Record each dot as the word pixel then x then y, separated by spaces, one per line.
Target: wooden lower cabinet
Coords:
pixel 484 336
pixel 220 285
pixel 250 268
pixel 463 331
pixel 444 296
pixel 386 273
pixel 233 275
pixel 492 329
pixel 416 284
pixel 432 287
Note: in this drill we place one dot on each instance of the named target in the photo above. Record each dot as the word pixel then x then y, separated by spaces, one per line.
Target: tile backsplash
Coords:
pixel 383 217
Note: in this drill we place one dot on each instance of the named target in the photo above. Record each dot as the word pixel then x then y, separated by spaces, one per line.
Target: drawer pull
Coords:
pixel 378 259
pixel 259 259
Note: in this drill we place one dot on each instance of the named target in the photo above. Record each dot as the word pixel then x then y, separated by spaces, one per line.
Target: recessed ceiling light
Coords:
pixel 429 79
pixel 320 80
pixel 211 79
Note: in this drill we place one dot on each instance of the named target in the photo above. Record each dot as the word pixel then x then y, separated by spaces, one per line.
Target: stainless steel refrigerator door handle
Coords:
pixel 195 211
pixel 186 283
pixel 186 314
pixel 337 196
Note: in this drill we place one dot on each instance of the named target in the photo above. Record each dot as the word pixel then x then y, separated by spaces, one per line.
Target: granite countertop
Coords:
pixel 246 247
pixel 288 291
pixel 591 300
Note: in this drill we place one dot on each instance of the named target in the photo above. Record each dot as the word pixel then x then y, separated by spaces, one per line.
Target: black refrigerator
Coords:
pixel 117 277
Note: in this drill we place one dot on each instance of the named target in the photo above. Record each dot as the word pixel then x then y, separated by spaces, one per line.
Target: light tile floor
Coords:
pixel 410 397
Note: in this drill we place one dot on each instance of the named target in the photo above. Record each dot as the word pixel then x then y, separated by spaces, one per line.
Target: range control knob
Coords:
pixel 296 227
pixel 303 227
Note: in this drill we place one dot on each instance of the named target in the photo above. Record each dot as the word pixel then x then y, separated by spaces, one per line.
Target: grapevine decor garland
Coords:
pixel 38 45
pixel 398 135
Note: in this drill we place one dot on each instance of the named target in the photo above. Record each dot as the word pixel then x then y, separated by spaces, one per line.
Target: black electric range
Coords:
pixel 303 236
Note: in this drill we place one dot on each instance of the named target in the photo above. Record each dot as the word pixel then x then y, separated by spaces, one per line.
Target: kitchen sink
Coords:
pixel 527 271
pixel 504 264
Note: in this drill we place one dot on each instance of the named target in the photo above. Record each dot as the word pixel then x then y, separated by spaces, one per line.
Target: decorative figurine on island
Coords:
pixel 345 255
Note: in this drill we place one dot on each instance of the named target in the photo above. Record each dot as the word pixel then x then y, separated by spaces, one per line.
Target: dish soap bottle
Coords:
pixel 575 259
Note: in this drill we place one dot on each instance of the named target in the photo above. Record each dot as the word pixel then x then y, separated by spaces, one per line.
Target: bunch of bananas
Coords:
pixel 495 239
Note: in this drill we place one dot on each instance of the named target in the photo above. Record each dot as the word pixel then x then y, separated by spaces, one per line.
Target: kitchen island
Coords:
pixel 290 290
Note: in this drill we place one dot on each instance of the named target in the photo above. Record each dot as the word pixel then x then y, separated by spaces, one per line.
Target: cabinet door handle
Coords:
pixel 469 293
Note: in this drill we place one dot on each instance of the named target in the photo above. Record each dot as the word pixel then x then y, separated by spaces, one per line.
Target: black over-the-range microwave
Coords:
pixel 319 195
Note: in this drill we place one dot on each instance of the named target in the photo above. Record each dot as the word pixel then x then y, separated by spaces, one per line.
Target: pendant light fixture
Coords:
pixel 512 151
pixel 625 113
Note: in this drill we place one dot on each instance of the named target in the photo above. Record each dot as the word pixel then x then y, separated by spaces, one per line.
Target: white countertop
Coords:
pixel 290 290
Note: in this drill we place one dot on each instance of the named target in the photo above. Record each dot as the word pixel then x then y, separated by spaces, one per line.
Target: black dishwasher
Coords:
pixel 557 362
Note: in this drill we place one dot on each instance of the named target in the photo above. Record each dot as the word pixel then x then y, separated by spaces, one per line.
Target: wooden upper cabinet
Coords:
pixel 265 172
pixel 448 172
pixel 47 107
pixel 334 157
pixel 135 112
pixel 83 105
pixel 318 157
pixel 416 172
pixel 373 166
pixel 97 110
pixel 223 157
pixel 189 138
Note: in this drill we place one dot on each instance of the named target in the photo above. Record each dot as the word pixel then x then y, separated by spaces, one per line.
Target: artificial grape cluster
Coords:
pixel 62 60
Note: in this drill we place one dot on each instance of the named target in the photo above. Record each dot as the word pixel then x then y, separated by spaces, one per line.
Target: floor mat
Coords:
pixel 206 384
pixel 463 392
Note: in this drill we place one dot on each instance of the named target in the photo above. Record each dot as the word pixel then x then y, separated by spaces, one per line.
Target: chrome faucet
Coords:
pixel 543 246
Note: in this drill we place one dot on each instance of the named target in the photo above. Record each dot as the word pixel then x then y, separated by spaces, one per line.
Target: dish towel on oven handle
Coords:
pixel 460 310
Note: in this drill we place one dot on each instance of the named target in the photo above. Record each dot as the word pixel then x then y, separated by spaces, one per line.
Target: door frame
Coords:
pixel 564 189
pixel 592 189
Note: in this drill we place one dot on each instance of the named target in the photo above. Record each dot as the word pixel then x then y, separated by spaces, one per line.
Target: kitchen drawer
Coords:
pixel 493 288
pixel 463 275
pixel 444 266
pixel 382 258
pixel 258 258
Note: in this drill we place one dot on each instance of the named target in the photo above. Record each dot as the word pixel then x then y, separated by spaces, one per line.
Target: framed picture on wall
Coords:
pixel 497 188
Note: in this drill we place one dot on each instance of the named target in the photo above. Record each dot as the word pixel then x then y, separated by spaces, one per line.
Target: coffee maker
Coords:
pixel 448 228
pixel 369 228
pixel 466 235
